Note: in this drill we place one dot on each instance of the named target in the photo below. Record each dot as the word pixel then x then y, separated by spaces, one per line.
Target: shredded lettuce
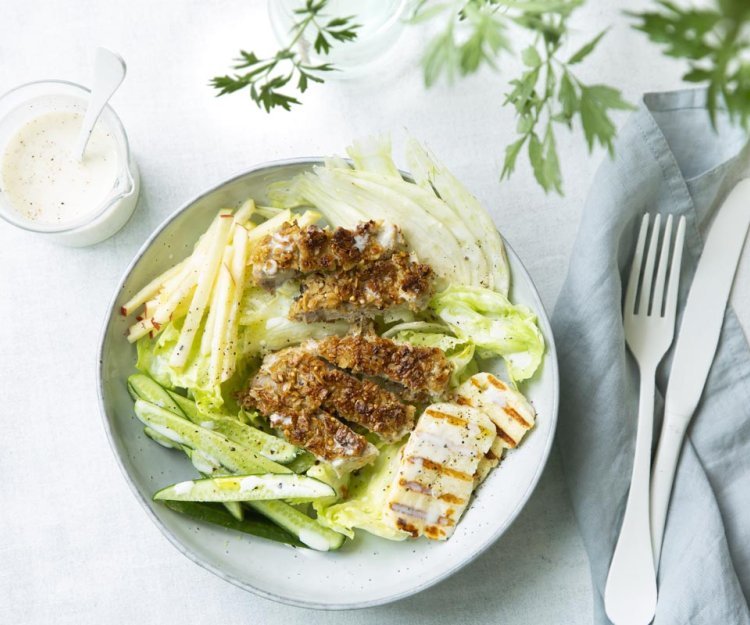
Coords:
pixel 364 497
pixel 493 324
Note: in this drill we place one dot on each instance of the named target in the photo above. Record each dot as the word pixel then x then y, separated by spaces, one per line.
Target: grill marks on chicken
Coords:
pixel 420 372
pixel 292 250
pixel 301 393
pixel 364 291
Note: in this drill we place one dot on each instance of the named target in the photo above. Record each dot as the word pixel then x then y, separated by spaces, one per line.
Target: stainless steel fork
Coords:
pixel 649 320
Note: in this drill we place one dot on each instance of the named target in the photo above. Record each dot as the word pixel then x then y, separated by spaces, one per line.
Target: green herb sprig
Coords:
pixel 716 44
pixel 266 77
pixel 545 94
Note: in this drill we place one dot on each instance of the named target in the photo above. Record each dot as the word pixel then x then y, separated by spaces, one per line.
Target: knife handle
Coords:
pixel 662 476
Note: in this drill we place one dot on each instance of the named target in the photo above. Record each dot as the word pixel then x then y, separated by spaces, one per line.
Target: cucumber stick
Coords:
pixel 210 513
pixel 247 488
pixel 143 387
pixel 188 406
pixel 231 455
pixel 200 462
pixel 215 448
pixel 207 467
pixel 308 530
pixel 266 445
pixel 161 439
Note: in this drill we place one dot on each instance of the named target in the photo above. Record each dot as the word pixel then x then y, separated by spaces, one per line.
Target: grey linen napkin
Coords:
pixel 668 159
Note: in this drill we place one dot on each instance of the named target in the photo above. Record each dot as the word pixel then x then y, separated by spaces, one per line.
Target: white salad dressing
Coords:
pixel 183 488
pixel 249 483
pixel 203 463
pixel 44 181
pixel 44 188
pixel 167 433
pixel 360 242
pixel 313 540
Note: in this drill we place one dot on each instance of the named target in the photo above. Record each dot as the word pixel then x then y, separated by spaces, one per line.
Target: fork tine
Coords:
pixel 674 271
pixel 661 272
pixel 635 267
pixel 648 272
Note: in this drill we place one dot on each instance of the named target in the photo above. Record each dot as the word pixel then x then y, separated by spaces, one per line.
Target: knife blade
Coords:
pixel 696 345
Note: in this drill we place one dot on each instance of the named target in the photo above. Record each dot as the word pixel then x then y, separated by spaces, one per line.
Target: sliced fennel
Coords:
pixel 406 197
pixel 373 154
pixel 336 194
pixel 493 324
pixel 445 225
pixel 431 174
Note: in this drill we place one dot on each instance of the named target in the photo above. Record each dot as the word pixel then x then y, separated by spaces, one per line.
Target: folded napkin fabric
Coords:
pixel 668 159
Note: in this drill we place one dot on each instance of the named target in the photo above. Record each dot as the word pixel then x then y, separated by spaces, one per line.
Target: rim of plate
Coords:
pixel 550 354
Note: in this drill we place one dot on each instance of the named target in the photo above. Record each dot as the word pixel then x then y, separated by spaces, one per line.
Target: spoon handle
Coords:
pixel 109 72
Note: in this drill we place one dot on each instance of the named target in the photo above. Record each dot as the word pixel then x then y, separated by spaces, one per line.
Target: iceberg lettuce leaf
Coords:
pixel 493 324
pixel 364 497
pixel 153 359
pixel 265 325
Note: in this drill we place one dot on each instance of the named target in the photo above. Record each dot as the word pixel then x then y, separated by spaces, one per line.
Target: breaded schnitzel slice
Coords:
pixel 421 371
pixel 295 250
pixel 364 291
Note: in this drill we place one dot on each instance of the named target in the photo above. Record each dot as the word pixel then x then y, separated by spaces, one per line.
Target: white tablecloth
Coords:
pixel 75 547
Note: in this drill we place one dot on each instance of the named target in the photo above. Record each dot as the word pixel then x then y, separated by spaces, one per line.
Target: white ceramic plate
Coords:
pixel 365 572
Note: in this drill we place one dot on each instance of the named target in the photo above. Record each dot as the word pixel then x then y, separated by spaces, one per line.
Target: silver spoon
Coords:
pixel 109 72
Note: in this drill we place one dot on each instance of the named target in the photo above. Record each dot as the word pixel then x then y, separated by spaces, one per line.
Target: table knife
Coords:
pixel 696 345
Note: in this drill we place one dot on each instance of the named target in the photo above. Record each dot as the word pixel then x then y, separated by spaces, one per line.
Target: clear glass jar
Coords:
pixel 381 23
pixel 27 102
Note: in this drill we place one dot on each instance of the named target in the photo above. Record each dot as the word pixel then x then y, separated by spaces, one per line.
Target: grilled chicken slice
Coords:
pixel 419 372
pixel 508 409
pixel 435 477
pixel 293 250
pixel 364 291
pixel 300 386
